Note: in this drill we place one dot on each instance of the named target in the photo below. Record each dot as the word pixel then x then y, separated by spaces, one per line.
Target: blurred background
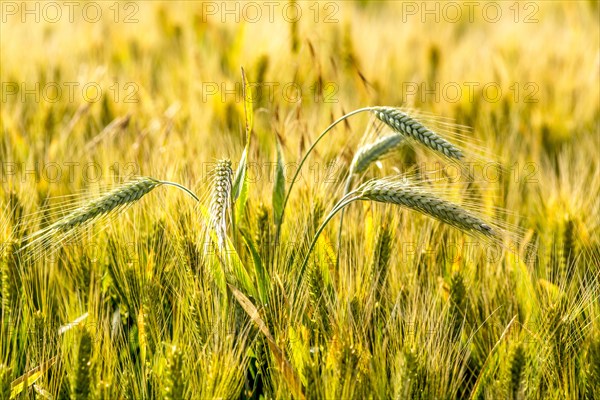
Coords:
pixel 95 90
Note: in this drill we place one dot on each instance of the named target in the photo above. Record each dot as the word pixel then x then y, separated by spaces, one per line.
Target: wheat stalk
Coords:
pixel 406 125
pixel 364 157
pixel 221 199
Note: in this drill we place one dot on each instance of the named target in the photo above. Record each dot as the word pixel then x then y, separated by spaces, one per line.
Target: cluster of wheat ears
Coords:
pixel 227 185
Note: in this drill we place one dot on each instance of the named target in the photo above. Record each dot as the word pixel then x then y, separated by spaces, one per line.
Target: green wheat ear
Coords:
pixel 113 200
pixel 220 205
pixel 517 367
pixel 369 153
pixel 263 235
pixel 408 126
pixel 109 203
pixel 9 277
pixel 381 259
pixel 174 381
pixel 568 249
pixel 402 194
pixel 458 303
pixel 81 383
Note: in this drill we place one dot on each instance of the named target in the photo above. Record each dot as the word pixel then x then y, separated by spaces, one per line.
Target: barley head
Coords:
pixel 221 198
pixel 408 126
pixel 9 277
pixel 569 253
pixel 372 152
pixel 458 304
pixel 112 201
pixel 403 194
pixel 82 386
pixel 381 258
pixel 174 381
pixel 517 366
pixel 116 198
pixel 263 233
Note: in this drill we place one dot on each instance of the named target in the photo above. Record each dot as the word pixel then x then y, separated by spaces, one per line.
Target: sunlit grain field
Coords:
pixel 188 211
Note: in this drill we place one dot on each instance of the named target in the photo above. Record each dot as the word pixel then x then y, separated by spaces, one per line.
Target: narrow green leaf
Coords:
pixel 240 175
pixel 30 377
pixel 261 275
pixel 248 106
pixel 240 184
pixel 239 270
pixel 240 203
pixel 279 186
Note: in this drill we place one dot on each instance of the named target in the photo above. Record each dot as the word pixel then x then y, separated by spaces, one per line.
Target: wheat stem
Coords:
pixel 177 185
pixel 364 157
pixel 338 207
pixel 402 194
pixel 310 149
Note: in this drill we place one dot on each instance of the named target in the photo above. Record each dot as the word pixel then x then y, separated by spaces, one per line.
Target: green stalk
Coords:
pixel 346 189
pixel 349 198
pixel 177 185
pixel 287 196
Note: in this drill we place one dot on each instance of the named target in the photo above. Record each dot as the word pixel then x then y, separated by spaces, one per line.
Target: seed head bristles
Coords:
pixel 404 194
pixel 111 202
pixel 114 199
pixel 221 199
pixel 410 127
pixel 372 152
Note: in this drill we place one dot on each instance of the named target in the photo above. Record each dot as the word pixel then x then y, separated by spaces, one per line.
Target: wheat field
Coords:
pixel 313 200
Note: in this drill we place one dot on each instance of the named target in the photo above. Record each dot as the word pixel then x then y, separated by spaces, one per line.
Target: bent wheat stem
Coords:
pixel 310 149
pixel 404 194
pixel 364 157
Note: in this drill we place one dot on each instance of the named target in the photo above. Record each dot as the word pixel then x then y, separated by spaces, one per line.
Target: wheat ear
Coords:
pixel 82 379
pixel 369 153
pixel 409 126
pixel 404 194
pixel 221 199
pixel 174 379
pixel 111 202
